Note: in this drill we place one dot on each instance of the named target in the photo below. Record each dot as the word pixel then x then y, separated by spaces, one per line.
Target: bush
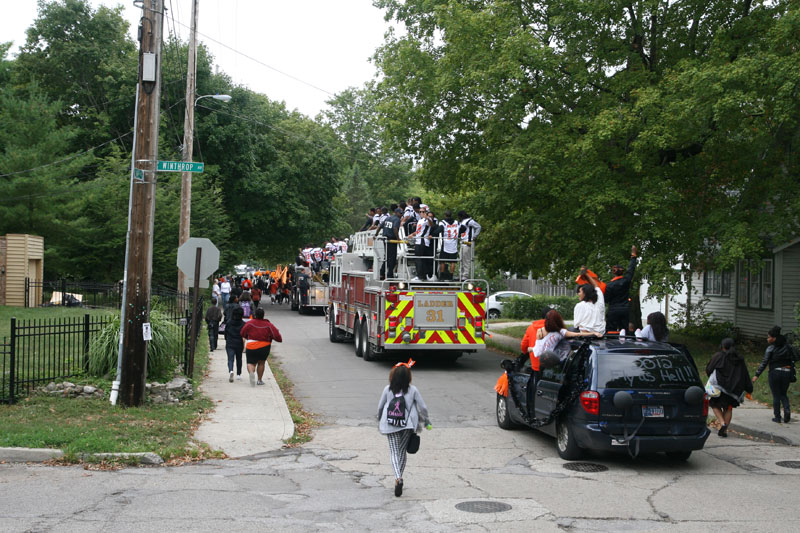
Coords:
pixel 163 352
pixel 532 307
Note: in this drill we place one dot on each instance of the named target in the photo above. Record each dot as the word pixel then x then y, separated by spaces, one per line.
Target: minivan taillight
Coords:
pixel 705 405
pixel 590 401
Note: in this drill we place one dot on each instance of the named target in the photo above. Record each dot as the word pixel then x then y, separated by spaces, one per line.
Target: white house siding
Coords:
pixel 721 307
pixel 790 287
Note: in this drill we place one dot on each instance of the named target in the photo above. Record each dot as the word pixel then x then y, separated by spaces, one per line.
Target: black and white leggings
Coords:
pixel 398 442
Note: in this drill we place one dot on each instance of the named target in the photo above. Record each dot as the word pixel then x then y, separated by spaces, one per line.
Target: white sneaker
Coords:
pixel 433 278
pixel 239 377
pixel 415 278
pixel 230 378
pixel 252 379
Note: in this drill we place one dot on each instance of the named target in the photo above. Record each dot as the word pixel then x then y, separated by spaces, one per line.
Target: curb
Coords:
pixel 762 435
pixel 29 455
pixel 40 455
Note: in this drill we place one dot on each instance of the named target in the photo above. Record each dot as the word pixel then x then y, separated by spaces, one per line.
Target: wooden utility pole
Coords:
pixel 188 139
pixel 139 266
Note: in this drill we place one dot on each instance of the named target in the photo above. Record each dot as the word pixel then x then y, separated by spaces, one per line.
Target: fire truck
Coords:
pixel 316 297
pixel 402 315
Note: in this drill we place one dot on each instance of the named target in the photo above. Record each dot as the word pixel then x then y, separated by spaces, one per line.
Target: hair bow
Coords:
pixel 407 365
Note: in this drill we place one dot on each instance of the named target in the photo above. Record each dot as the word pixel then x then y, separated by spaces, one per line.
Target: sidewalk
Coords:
pixel 247 420
pixel 751 418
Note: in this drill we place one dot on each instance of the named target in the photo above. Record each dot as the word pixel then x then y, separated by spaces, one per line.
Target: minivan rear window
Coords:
pixel 650 371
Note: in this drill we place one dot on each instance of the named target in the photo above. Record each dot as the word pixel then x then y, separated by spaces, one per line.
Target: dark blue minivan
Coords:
pixel 614 394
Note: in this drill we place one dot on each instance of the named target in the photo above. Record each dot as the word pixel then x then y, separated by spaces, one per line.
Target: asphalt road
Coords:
pixel 342 480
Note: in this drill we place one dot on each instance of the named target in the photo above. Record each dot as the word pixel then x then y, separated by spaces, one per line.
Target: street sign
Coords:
pixel 209 261
pixel 188 283
pixel 180 166
pixel 138 173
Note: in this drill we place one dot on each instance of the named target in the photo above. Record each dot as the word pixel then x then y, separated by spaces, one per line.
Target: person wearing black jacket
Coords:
pixel 234 345
pixel 779 358
pixel 213 317
pixel 732 378
pixel 617 295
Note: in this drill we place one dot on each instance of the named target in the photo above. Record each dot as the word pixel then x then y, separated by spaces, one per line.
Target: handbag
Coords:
pixel 413 443
pixel 712 387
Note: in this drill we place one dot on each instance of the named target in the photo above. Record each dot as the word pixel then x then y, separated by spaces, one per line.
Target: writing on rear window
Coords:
pixel 651 371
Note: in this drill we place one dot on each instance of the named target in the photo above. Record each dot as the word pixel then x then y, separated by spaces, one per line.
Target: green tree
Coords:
pixel 576 128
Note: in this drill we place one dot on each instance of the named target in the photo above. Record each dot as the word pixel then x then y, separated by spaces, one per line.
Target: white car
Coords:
pixel 494 305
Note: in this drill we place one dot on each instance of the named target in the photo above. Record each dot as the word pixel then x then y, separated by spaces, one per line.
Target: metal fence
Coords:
pixel 98 295
pixel 43 350
pixel 535 286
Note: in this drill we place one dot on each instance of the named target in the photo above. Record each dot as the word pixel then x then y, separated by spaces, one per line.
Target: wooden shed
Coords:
pixel 21 256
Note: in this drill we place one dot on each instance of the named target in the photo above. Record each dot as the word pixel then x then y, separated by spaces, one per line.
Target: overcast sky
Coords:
pixel 324 43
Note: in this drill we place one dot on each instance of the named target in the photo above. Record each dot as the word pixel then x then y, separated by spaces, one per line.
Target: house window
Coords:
pixel 754 284
pixel 717 283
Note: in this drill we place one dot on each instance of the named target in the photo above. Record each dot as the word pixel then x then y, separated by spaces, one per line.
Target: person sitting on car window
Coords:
pixel 554 331
pixel 590 312
pixel 656 328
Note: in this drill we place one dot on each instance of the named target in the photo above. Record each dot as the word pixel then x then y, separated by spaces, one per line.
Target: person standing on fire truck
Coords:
pixel 449 253
pixel 421 244
pixel 469 230
pixel 390 229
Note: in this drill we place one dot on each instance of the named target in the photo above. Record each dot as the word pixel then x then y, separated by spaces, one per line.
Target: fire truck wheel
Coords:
pixel 357 339
pixel 333 332
pixel 369 350
pixel 295 303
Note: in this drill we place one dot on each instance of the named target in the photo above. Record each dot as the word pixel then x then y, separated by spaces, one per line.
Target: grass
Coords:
pixel 304 421
pixel 702 350
pixel 80 426
pixel 22 313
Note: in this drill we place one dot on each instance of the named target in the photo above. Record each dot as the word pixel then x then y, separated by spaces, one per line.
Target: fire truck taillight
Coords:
pixel 479 298
pixel 462 322
pixel 393 321
pixel 392 297
pixel 478 323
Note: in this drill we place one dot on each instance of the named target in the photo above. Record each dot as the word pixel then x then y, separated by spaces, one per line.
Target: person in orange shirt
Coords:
pixel 259 334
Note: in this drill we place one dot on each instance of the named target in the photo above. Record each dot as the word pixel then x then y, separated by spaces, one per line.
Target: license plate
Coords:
pixel 653 411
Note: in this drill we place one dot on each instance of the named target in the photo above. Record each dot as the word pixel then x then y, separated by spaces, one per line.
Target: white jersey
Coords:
pixel 342 245
pixel 423 231
pixel 307 255
pixel 382 218
pixel 317 254
pixel 469 229
pixel 449 237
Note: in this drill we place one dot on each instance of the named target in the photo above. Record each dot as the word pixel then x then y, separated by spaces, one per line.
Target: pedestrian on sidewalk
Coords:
pixel 225 291
pixel 232 304
pixel 400 411
pixel 779 358
pixel 216 292
pixel 213 317
pixel 733 380
pixel 234 345
pixel 259 333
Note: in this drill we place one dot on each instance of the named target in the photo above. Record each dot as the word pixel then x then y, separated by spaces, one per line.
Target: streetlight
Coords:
pixel 186 177
pixel 221 97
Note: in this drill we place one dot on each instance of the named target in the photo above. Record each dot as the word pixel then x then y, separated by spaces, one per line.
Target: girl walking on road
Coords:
pixel 732 379
pixel 780 360
pixel 400 411
pixel 233 341
pixel 259 333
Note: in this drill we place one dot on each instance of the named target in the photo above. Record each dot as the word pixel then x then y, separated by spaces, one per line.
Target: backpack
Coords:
pixel 246 308
pixel 396 411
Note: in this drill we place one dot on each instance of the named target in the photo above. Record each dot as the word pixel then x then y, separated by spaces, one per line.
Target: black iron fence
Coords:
pixel 43 350
pixel 98 295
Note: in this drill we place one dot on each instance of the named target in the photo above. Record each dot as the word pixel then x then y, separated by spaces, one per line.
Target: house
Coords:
pixel 21 257
pixel 754 296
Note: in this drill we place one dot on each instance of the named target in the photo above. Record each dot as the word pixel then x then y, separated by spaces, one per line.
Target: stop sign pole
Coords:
pixel 195 315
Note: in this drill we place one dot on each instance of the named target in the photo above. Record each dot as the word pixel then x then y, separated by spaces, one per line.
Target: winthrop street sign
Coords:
pixel 180 166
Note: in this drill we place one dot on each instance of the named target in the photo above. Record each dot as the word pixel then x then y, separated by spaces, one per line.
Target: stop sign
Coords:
pixel 209 260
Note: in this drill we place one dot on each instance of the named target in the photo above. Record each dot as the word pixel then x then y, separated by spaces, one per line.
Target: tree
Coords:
pixel 577 128
pixel 374 175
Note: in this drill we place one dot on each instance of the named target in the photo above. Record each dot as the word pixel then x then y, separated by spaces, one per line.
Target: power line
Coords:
pixel 66 158
pixel 251 58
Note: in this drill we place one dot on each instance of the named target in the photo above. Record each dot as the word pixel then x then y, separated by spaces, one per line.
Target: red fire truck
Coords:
pixel 401 315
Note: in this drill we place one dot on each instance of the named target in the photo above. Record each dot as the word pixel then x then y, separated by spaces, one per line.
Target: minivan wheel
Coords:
pixel 503 416
pixel 565 442
pixel 679 456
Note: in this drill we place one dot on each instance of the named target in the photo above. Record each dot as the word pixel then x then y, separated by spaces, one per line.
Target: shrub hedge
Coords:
pixel 532 307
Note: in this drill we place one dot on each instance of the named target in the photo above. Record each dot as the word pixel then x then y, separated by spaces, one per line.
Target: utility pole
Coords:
pixel 139 256
pixel 188 139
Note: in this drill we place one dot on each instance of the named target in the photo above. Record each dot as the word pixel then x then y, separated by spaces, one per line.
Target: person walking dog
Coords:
pixel 400 411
